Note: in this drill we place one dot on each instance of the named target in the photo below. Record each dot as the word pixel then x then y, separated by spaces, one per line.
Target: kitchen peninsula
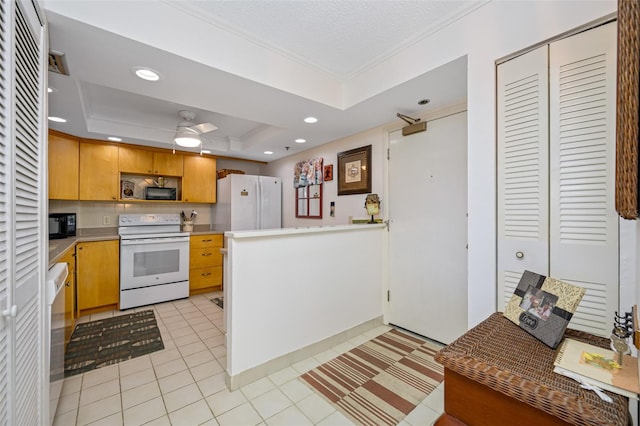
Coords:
pixel 294 292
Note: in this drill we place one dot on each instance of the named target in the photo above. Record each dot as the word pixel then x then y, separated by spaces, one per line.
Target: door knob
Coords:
pixel 11 312
pixel 519 254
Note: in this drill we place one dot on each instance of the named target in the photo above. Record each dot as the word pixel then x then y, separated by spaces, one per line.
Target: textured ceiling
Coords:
pixel 340 37
pixel 252 68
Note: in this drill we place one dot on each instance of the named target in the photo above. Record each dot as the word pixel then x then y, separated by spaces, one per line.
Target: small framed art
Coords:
pixel 354 171
pixel 328 173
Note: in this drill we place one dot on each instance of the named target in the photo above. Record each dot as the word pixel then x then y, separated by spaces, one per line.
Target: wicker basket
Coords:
pixel 502 356
pixel 224 172
pixel 627 197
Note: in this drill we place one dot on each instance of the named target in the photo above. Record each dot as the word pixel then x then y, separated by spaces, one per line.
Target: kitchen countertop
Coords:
pixel 301 230
pixel 58 247
pixel 204 230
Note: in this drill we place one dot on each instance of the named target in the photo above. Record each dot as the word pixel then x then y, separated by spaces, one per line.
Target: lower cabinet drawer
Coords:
pixel 205 257
pixel 205 277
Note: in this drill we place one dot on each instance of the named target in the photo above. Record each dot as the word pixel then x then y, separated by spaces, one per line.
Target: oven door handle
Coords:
pixel 146 241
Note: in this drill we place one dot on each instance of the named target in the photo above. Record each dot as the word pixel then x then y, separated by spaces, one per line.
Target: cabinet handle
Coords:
pixel 207 241
pixel 206 274
pixel 207 254
pixel 68 283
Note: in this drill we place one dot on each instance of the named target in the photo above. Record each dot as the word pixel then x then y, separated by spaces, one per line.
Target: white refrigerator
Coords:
pixel 247 202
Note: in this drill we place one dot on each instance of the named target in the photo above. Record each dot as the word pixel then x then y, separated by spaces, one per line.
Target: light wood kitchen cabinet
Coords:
pixel 98 276
pixel 136 160
pixel 167 164
pixel 69 257
pixel 199 179
pixel 205 263
pixel 99 178
pixel 63 166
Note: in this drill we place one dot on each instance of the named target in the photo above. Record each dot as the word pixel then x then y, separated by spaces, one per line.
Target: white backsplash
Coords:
pixel 95 214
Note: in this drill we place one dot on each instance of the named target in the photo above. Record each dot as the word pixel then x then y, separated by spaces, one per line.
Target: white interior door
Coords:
pixel 584 224
pixel 23 351
pixel 556 170
pixel 428 229
pixel 523 170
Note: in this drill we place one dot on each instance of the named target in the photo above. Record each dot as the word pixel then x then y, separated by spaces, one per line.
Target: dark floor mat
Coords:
pixel 218 301
pixel 108 341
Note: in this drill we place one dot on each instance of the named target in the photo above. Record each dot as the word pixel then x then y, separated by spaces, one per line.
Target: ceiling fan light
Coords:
pixel 188 140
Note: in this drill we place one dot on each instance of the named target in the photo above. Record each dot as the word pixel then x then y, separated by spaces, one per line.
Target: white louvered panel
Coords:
pixel 27 382
pixel 5 343
pixel 27 197
pixel 521 154
pixel 522 169
pixel 511 280
pixel 584 231
pixel 591 310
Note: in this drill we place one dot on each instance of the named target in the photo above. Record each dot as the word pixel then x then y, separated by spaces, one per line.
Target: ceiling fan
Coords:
pixel 188 133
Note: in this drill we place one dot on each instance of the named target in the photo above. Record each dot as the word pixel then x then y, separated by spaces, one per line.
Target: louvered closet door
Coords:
pixel 584 224
pixel 522 170
pixel 5 347
pixel 22 216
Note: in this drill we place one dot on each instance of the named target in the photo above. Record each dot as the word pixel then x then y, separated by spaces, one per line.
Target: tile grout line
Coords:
pixel 173 314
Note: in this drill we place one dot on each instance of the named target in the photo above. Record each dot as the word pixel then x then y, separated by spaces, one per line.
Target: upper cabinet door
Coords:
pixel 523 169
pixel 134 160
pixel 63 166
pixel 99 171
pixel 147 162
pixel 199 181
pixel 167 164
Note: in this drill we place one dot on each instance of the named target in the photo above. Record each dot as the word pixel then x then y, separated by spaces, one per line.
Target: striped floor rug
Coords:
pixel 380 381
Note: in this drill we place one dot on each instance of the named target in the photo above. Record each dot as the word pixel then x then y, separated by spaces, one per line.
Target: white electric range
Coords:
pixel 154 259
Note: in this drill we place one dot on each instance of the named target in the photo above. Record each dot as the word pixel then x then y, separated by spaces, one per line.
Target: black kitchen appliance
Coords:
pixel 62 225
pixel 160 193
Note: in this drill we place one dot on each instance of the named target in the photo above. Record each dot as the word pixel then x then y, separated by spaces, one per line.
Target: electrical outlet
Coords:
pixel 106 220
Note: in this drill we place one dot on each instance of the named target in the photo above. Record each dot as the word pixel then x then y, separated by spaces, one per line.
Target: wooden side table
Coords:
pixel 497 374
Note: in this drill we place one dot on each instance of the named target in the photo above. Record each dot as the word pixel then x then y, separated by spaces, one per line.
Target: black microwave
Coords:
pixel 160 193
pixel 62 225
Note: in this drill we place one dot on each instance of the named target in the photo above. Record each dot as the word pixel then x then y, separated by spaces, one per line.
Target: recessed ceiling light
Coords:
pixel 58 119
pixel 206 151
pixel 115 139
pixel 268 152
pixel 146 73
pixel 301 140
pixel 310 120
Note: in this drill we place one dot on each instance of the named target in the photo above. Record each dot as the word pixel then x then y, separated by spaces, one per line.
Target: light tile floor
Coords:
pixel 184 384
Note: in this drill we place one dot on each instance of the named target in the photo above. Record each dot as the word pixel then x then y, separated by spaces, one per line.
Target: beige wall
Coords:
pixel 345 205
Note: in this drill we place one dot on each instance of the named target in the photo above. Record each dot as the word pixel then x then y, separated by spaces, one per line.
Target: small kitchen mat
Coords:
pixel 108 341
pixel 380 381
pixel 218 301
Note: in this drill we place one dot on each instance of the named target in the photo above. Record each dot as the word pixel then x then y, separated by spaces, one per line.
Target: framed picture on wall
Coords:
pixel 328 173
pixel 354 171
